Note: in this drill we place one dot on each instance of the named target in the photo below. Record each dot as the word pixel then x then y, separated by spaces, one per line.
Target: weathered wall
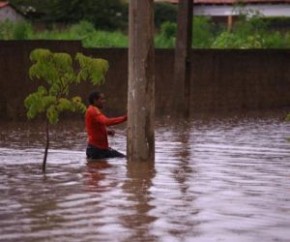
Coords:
pixel 241 79
pixel 222 80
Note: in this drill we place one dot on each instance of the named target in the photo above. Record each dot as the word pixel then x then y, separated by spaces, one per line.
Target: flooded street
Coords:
pixel 214 179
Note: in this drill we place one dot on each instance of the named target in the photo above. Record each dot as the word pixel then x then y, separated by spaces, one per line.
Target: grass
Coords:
pixel 245 35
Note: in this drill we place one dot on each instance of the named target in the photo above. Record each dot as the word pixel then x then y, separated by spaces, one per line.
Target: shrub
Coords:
pixel 202 32
pixel 164 12
pixel 22 31
pixel 6 30
pixel 166 37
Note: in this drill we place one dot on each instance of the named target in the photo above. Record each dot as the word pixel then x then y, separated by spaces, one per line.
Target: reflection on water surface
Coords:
pixel 214 179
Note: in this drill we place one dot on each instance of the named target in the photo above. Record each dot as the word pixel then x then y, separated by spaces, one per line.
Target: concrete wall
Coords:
pixel 230 80
pixel 222 80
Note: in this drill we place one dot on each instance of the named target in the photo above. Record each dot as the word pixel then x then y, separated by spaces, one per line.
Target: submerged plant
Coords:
pixel 56 70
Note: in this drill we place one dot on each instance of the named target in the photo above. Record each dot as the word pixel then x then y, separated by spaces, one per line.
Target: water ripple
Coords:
pixel 219 179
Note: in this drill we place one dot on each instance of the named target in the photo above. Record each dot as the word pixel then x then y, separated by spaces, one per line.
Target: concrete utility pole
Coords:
pixel 182 65
pixel 141 87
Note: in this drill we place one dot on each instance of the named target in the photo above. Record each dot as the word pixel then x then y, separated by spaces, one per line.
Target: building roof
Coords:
pixel 267 8
pixel 225 2
pixel 8 4
pixel 3 4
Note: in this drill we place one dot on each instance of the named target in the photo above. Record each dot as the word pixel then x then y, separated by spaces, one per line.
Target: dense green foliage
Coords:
pixel 255 32
pixel 104 23
pixel 89 36
pixel 252 33
pixel 164 12
pixel 104 14
pixel 17 31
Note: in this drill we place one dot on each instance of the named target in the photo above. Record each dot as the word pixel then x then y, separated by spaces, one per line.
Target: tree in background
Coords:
pixel 104 14
pixel 164 12
pixel 106 21
pixel 56 69
pixel 203 33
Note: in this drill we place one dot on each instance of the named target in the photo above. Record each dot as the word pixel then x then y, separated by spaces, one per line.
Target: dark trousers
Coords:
pixel 96 153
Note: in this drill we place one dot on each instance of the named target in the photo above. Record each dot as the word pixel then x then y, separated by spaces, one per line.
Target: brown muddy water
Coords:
pixel 214 179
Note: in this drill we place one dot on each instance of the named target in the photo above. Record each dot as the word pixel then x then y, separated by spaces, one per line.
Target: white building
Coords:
pixel 231 8
pixel 8 12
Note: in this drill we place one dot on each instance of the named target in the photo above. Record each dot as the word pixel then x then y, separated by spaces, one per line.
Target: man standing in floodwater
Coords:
pixel 96 126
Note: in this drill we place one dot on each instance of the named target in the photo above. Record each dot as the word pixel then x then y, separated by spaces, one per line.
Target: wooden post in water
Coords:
pixel 141 101
pixel 182 64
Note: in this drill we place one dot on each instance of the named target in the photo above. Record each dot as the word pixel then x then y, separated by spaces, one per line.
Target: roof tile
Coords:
pixel 233 1
pixel 3 4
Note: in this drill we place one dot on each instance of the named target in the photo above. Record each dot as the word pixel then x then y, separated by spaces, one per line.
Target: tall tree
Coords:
pixel 141 86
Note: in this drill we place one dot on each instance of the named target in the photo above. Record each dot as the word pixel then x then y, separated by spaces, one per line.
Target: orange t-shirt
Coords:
pixel 96 124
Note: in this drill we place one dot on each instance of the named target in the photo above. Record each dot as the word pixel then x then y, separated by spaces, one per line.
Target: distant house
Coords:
pixel 226 10
pixel 8 12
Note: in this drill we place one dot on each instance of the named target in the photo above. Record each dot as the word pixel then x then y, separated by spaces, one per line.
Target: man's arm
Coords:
pixel 101 118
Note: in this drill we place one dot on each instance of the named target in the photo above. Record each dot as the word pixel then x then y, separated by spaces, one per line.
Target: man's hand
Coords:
pixel 111 132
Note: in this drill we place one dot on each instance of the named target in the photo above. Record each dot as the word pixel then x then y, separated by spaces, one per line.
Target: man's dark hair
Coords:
pixel 95 95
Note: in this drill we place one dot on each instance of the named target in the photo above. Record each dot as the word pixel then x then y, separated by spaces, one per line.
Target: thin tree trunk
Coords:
pixel 182 65
pixel 141 93
pixel 46 146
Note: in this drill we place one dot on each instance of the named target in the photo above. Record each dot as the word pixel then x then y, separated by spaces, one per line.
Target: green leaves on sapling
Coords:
pixel 56 69
pixel 92 69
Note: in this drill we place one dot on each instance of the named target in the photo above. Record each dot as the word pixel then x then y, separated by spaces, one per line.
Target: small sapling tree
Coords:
pixel 58 72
